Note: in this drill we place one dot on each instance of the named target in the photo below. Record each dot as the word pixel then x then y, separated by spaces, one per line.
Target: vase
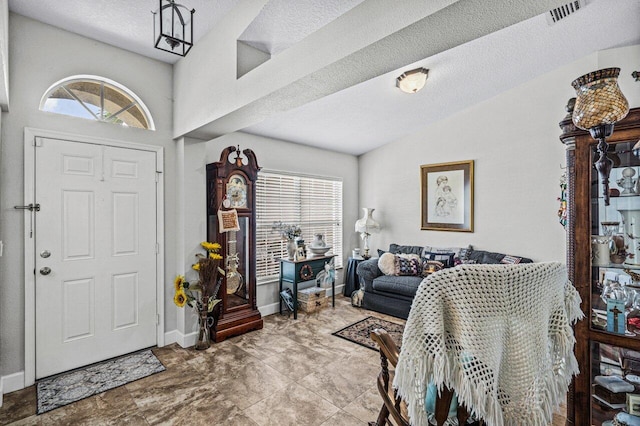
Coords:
pixel 600 251
pixel 291 249
pixel 204 337
pixel 631 219
pixel 318 241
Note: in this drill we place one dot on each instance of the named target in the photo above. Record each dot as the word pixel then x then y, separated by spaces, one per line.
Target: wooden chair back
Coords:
pixel 393 410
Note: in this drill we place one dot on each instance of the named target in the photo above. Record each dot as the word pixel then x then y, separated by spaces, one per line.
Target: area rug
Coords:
pixel 360 332
pixel 72 386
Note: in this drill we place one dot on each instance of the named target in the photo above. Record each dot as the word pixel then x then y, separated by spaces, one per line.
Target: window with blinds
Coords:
pixel 314 203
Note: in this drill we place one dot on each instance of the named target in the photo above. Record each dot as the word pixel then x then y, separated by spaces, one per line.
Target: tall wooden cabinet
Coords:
pixel 231 185
pixel 604 345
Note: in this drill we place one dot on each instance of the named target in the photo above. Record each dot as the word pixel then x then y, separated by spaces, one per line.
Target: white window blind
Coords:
pixel 314 203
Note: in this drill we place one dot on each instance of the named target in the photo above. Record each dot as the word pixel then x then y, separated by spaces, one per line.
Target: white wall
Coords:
pixel 513 139
pixel 273 155
pixel 41 55
pixel 628 60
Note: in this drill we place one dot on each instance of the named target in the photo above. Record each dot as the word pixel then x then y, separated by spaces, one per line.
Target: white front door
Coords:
pixel 95 241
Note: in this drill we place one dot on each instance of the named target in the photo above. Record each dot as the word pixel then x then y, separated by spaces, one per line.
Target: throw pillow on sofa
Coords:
pixel 411 266
pixel 446 258
pixel 387 263
pixel 460 254
pixel 511 260
pixel 431 266
pixel 400 265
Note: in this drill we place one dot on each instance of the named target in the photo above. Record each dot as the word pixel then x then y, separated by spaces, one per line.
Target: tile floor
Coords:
pixel 288 373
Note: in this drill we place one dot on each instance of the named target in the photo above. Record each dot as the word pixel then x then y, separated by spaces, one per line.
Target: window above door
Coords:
pixel 97 98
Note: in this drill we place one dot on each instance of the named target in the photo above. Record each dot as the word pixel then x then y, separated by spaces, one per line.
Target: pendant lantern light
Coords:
pixel 173 27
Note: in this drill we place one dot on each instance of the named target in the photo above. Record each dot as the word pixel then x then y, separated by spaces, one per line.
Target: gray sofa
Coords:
pixel 392 295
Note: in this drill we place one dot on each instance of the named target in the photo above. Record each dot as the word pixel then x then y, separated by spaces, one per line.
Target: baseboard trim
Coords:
pixel 170 337
pixel 187 340
pixel 184 340
pixel 271 309
pixel 12 382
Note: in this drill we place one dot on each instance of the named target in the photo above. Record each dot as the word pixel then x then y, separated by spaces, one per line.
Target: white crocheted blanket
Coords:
pixel 499 335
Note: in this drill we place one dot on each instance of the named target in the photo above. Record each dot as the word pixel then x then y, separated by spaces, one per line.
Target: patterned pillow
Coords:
pixel 408 255
pixel 391 264
pixel 511 260
pixel 431 266
pixel 446 258
pixel 460 253
pixel 408 266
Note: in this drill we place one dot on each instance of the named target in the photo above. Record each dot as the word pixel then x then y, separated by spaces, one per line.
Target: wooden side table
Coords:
pixel 299 271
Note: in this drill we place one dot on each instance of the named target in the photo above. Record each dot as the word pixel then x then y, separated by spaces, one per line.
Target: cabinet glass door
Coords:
pixel 615 295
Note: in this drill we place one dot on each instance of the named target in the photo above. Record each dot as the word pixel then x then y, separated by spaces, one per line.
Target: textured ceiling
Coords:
pixel 368 115
pixel 282 23
pixel 374 112
pixel 127 24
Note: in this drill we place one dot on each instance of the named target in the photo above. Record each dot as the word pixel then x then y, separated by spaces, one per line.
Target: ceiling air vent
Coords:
pixel 561 12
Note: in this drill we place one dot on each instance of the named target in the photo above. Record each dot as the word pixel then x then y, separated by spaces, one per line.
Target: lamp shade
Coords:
pixel 366 224
pixel 412 81
pixel 599 100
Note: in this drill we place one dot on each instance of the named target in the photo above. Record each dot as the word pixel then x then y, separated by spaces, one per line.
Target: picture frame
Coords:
pixel 446 196
pixel 301 253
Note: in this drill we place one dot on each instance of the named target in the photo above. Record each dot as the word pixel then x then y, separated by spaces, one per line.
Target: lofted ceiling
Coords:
pixel 370 112
pixel 123 23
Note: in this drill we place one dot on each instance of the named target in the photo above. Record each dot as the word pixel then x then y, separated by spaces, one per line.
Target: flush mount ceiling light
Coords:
pixel 173 27
pixel 412 81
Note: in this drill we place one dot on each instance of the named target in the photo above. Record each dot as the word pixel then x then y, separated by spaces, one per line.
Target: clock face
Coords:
pixel 237 191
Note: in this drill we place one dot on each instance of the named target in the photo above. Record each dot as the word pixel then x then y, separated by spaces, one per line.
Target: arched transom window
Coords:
pixel 97 98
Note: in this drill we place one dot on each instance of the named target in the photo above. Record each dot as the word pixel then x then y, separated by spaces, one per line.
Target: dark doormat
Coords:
pixel 360 332
pixel 71 386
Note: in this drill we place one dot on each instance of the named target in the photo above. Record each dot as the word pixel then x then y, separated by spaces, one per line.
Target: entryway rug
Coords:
pixel 72 386
pixel 360 332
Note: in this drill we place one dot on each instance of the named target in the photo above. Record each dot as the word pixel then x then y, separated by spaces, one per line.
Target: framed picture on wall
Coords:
pixel 447 196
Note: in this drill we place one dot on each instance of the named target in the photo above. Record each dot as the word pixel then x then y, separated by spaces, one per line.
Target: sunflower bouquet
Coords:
pixel 202 293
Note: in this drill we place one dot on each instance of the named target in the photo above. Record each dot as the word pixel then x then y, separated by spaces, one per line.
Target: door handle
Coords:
pixel 45 271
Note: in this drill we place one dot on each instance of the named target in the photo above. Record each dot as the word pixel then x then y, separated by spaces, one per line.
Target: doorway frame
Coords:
pixel 30 135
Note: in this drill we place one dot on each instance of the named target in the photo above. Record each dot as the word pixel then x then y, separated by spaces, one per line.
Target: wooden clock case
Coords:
pixel 239 312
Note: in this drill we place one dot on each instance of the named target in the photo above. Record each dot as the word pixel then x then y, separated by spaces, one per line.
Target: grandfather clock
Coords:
pixel 231 185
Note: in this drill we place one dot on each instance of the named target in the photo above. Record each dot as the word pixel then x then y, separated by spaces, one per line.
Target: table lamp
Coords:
pixel 367 226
